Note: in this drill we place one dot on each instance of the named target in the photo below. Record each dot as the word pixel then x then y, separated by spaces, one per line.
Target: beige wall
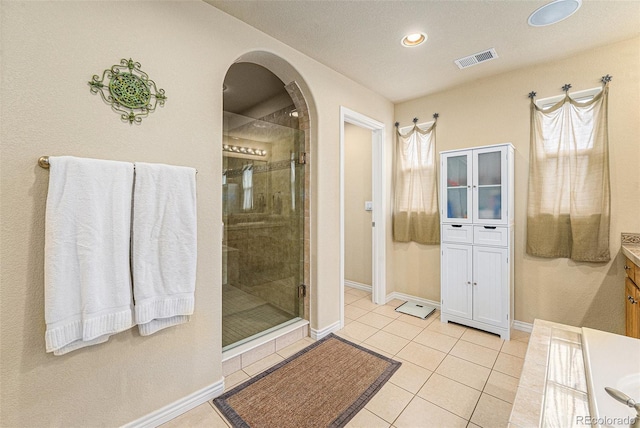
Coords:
pixel 49 52
pixel 496 110
pixel 357 190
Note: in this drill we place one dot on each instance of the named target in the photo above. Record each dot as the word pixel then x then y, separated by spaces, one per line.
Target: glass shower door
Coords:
pixel 263 216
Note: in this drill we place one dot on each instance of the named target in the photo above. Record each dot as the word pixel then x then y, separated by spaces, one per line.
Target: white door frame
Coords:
pixel 378 286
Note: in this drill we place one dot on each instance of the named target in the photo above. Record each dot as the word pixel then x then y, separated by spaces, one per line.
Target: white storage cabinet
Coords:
pixel 477 189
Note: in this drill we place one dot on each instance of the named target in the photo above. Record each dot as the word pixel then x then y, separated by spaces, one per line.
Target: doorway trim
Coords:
pixel 378 256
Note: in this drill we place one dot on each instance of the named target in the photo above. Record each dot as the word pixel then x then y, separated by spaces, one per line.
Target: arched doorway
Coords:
pixel 266 274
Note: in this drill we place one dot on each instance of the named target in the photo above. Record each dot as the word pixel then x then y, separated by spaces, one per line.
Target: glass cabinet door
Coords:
pixel 456 178
pixel 489 190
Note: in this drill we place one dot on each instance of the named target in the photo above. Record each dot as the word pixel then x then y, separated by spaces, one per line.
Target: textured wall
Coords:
pixel 357 190
pixel 49 52
pixel 496 110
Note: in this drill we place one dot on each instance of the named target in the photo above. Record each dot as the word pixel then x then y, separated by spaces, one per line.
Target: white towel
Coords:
pixel 87 276
pixel 163 255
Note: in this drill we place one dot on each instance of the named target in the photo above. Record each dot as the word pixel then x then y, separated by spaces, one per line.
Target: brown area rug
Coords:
pixel 324 385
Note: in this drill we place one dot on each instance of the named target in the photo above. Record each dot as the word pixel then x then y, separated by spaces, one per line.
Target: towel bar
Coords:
pixel 43 161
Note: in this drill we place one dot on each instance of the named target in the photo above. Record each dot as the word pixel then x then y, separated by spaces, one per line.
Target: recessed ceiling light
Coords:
pixel 414 39
pixel 553 12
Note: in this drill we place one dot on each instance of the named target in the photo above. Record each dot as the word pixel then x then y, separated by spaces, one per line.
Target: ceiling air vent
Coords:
pixel 476 58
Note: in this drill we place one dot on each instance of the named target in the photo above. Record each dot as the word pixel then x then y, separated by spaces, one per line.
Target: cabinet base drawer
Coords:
pixel 459 233
pixel 491 235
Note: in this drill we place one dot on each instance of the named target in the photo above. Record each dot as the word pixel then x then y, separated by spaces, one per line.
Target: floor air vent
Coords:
pixel 476 58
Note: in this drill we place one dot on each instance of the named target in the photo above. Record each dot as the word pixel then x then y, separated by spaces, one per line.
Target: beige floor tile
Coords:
pixel 450 329
pixel 395 303
pixel 387 342
pixel 358 331
pixel 491 412
pixel 365 303
pixel 482 338
pixel 356 292
pixel 389 402
pixel 474 353
pixel 450 395
pixel 515 348
pixel 263 364
pixel 410 376
pixel 353 312
pixel 521 336
pixel 375 320
pixel 366 419
pixel 421 413
pixel 508 364
pixel 202 416
pixel 422 356
pixel 501 386
pixel 403 329
pixel 350 298
pixel 342 334
pixel 441 342
pixel 387 311
pixel 288 351
pixel 419 322
pixel 235 379
pixel 463 371
pixel 377 350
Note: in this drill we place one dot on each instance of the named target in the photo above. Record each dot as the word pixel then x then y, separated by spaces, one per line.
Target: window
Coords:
pixel 416 216
pixel 568 206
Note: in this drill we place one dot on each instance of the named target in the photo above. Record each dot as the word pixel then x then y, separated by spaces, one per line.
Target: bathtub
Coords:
pixel 612 361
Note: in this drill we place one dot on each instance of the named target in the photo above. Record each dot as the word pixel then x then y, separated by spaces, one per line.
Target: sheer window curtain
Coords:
pixel 568 212
pixel 416 215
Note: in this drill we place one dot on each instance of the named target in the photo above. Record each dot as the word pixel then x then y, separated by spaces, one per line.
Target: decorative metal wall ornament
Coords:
pixel 128 90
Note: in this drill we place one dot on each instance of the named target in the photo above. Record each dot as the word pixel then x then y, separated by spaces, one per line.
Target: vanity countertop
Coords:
pixel 632 251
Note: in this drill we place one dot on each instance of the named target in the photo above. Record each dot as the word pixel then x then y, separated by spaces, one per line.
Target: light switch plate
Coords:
pixel 368 205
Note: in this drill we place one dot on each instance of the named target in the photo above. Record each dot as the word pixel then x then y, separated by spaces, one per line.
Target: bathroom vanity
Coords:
pixel 631 251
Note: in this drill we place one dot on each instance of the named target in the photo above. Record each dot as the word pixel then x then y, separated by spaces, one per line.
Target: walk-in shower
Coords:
pixel 263 216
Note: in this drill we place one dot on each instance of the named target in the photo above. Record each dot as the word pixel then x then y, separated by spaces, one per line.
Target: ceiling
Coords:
pixel 361 39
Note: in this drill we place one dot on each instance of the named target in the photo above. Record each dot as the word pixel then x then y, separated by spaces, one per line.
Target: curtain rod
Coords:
pixel 415 120
pixel 43 162
pixel 565 88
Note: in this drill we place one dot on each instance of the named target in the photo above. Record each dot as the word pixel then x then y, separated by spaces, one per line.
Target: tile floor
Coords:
pixel 451 376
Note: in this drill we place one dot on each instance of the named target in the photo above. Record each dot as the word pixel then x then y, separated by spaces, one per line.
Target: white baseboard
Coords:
pixel 178 407
pixel 402 296
pixel 522 326
pixel 358 285
pixel 319 334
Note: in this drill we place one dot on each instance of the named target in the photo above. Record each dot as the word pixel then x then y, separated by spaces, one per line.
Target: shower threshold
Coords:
pixel 242 346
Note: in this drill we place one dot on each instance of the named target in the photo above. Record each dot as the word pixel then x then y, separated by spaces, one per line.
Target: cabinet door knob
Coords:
pixel 475 283
pixel 632 300
pixel 469 282
pixel 626 267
